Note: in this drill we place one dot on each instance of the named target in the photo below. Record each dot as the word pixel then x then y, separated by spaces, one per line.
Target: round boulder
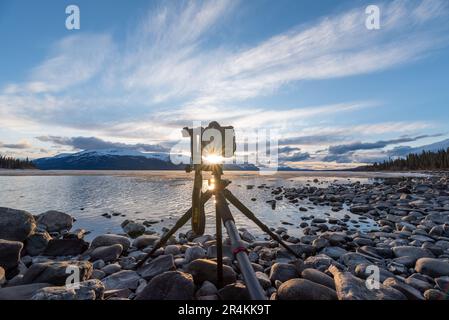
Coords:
pixel 171 285
pixel 302 289
pixel 16 225
pixel 55 221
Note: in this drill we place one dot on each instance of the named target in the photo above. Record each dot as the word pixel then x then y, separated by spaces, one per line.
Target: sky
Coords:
pixel 337 93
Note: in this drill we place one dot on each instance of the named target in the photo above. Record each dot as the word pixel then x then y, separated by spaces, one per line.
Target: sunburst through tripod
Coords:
pixel 209 147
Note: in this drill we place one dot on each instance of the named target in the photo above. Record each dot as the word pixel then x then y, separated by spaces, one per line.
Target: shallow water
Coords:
pixel 164 196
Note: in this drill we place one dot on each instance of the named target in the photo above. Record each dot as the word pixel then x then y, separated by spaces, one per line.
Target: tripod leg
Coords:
pixel 250 215
pixel 219 238
pixel 181 222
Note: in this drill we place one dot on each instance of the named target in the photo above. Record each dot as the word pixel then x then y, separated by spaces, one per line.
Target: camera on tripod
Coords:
pixel 210 146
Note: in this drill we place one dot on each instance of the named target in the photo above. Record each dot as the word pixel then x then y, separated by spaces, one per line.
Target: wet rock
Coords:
pixel 55 221
pixel 235 291
pixel 421 285
pixel 352 288
pixel 247 236
pixel 432 267
pixel 157 266
pixel 172 249
pixel 408 291
pixel 125 279
pixel 318 277
pixel 56 273
pixel 145 241
pixel 21 292
pixel 206 270
pixel 65 247
pixel 320 262
pixel 133 229
pixel 352 259
pixel 10 253
pixel 16 225
pixel 303 289
pixel 360 209
pixel 283 272
pixel 107 253
pixel 37 243
pixel 172 285
pixel 193 253
pixel 110 239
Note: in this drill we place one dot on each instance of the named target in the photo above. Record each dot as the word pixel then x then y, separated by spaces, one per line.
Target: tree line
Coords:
pixel 14 163
pixel 427 160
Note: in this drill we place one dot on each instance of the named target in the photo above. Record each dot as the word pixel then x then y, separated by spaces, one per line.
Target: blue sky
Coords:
pixel 138 71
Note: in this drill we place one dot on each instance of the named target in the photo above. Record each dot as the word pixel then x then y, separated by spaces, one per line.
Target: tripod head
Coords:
pixel 209 147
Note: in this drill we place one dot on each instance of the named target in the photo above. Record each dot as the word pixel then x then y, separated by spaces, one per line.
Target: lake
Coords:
pixel 162 196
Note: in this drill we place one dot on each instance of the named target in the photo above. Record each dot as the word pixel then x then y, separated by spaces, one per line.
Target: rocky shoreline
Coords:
pixel 408 253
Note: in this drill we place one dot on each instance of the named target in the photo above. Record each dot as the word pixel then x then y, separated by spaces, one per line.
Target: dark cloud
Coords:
pixel 345 148
pixel 292 154
pixel 311 139
pixel 90 143
pixel 22 145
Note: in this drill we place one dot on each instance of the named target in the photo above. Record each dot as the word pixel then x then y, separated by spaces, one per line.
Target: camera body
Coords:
pixel 213 142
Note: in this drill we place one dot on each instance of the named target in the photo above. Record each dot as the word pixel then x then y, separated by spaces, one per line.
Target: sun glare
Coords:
pixel 213 159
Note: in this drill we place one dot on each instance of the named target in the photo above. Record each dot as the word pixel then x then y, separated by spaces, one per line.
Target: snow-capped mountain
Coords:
pixel 108 159
pixel 118 159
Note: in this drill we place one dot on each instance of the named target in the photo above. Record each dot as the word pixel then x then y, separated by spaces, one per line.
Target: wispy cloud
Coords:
pixel 168 73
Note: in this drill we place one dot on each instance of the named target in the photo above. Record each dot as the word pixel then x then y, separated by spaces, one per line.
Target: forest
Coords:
pixel 14 163
pixel 427 160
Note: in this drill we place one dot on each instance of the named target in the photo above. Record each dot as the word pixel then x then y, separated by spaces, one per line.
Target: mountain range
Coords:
pixel 118 159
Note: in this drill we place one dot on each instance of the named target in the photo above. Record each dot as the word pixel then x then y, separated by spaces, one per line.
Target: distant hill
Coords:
pixel 118 159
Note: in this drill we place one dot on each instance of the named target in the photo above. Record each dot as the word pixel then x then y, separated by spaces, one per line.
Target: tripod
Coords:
pixel 223 214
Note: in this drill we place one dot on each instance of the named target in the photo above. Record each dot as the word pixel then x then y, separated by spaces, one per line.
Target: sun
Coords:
pixel 213 159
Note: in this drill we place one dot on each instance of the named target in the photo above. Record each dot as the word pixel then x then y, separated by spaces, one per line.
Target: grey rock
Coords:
pixel 10 253
pixel 157 266
pixel 349 287
pixel 408 291
pixel 133 229
pixel 234 291
pixel 145 241
pixel 110 239
pixel 352 260
pixel 55 221
pixel 303 289
pixel 107 254
pixel 413 252
pixel 56 273
pixel 283 272
pixel 264 280
pixel 21 292
pixel 206 270
pixel 112 268
pixel 98 274
pixel 363 272
pixel 65 247
pixel 172 249
pixel 37 243
pixel 125 279
pixel 442 283
pixel 318 277
pixel 432 267
pixel 333 252
pixel 171 285
pixel 418 284
pixel 194 253
pixel 87 290
pixel 320 262
pixel 16 225
pixel 206 289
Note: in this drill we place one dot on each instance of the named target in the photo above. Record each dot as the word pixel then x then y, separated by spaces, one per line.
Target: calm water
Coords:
pixel 164 196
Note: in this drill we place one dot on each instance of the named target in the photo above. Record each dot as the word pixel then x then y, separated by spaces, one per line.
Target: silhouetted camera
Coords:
pixel 211 145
